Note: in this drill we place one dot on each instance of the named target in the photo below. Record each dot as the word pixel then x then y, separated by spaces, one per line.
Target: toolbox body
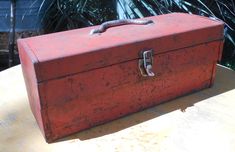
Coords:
pixel 76 80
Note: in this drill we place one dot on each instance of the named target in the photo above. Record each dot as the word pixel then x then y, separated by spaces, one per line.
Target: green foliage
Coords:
pixel 70 14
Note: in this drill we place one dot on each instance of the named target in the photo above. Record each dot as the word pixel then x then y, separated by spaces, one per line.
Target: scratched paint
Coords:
pixel 86 81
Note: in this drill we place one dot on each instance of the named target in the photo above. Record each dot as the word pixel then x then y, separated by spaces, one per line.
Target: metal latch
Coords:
pixel 146 63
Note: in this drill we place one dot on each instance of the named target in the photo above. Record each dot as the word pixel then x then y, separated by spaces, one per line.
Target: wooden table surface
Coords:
pixel 203 121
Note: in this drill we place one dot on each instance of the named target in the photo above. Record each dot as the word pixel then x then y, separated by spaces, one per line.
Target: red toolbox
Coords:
pixel 78 79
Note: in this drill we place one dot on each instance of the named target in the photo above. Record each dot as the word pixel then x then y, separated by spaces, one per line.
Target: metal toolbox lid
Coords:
pixel 66 53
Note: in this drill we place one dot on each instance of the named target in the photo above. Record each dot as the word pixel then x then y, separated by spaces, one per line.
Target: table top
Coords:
pixel 203 121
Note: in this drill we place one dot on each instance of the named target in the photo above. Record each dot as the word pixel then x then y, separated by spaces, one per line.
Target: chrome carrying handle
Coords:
pixel 108 24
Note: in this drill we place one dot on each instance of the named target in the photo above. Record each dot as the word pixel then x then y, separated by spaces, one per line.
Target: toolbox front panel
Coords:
pixel 81 101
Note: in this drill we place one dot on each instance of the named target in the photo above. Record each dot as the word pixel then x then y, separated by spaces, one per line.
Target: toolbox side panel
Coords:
pixel 29 66
pixel 77 102
pixel 220 52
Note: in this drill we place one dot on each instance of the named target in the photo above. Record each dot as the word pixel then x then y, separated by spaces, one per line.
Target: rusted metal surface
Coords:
pixel 76 81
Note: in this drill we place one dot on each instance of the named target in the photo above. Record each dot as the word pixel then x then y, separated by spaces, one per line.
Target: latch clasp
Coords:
pixel 146 63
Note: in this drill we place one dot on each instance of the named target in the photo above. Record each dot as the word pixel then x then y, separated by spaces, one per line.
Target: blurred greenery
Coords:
pixel 70 14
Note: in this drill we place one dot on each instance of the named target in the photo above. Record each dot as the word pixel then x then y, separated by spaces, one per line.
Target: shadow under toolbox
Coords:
pixel 81 78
